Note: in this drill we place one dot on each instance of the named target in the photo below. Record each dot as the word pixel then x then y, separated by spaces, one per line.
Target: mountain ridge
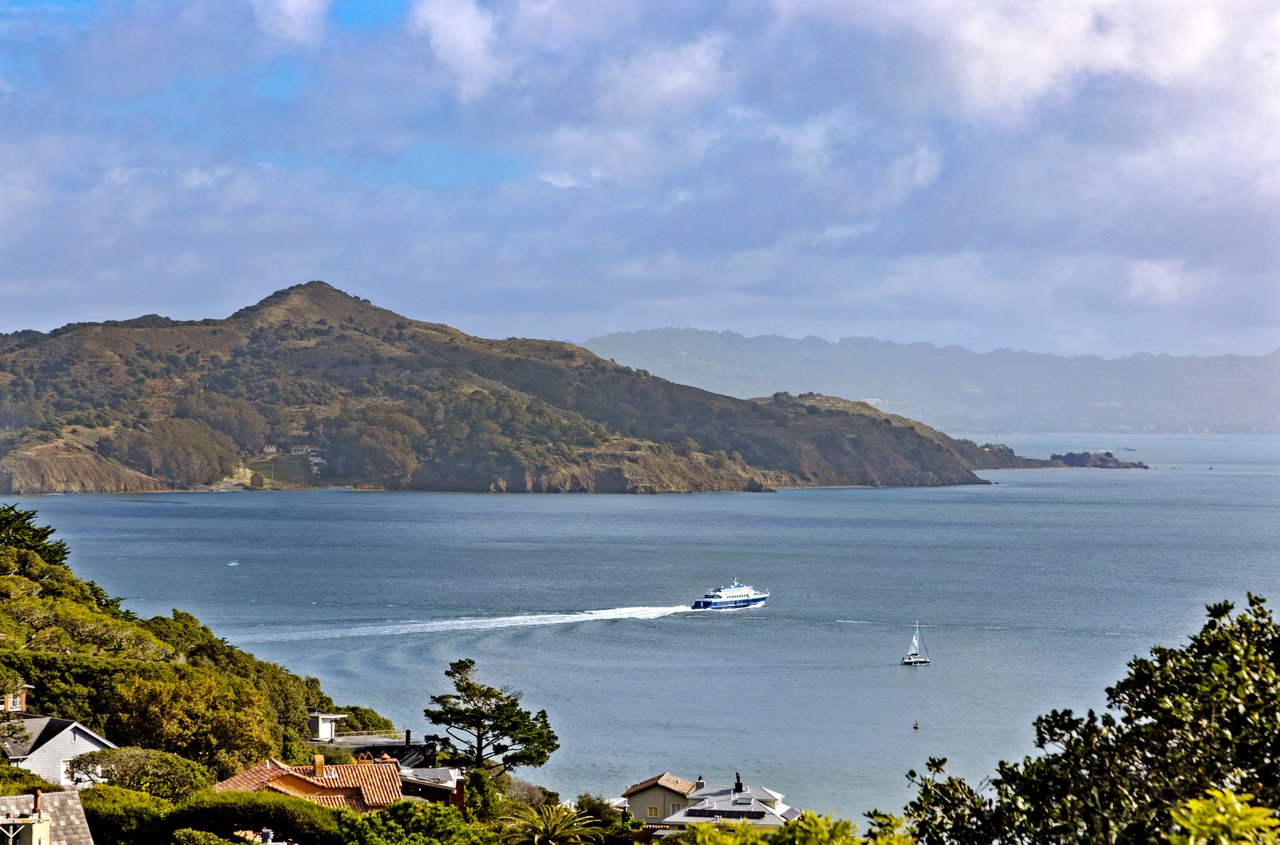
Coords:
pixel 372 398
pixel 959 390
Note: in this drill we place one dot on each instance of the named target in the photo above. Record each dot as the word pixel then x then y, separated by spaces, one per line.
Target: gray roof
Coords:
pixel 440 775
pixel 759 793
pixel 40 730
pixel 721 803
pixel 67 824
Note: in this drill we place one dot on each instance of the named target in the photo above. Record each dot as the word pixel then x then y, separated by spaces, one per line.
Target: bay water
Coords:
pixel 1032 593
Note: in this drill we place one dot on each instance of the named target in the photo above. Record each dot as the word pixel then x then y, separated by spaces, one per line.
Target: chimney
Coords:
pixel 737 782
pixel 406 737
pixel 317 764
pixel 35 806
pixel 699 783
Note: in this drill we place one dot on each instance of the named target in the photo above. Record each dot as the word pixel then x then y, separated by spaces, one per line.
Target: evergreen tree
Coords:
pixel 485 727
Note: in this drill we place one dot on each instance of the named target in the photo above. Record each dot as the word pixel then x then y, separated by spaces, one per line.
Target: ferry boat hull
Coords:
pixel 733 596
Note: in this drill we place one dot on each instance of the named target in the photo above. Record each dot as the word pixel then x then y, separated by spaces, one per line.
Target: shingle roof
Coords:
pixel 666 779
pixel 67 824
pixel 362 786
pixel 40 730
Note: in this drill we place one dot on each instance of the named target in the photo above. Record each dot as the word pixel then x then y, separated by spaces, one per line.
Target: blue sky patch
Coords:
pixel 368 14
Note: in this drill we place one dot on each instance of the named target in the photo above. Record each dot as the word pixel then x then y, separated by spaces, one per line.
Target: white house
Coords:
pixel 50 745
pixel 755 805
pixel 324 725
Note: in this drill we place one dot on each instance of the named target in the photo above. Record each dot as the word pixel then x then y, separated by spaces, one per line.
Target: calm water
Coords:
pixel 1033 593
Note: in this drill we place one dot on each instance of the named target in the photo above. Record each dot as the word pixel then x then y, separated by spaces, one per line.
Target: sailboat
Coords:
pixel 913 657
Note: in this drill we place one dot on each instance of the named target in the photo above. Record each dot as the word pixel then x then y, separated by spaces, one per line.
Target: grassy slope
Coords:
pixel 324 368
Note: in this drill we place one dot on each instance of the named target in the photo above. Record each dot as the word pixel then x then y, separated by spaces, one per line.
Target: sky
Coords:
pixel 1066 176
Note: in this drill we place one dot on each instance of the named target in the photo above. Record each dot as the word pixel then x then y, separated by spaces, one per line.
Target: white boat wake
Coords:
pixel 476 623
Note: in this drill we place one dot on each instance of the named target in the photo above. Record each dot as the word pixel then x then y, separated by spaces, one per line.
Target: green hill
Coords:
pixel 166 683
pixel 385 401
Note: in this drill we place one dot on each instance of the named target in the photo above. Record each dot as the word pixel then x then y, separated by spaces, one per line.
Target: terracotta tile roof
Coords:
pixel 363 786
pixel 666 779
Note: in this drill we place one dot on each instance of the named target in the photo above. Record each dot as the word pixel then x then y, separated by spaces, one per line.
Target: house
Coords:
pixel 654 799
pixel 50 745
pixel 438 784
pixel 755 805
pixel 54 819
pixel 16 701
pixel 362 787
pixel 324 725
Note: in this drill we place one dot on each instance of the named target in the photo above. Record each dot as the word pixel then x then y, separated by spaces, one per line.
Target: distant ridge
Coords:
pixel 958 390
pixel 314 386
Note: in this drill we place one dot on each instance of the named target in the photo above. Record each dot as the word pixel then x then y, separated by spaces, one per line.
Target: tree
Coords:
pixel 807 829
pixel 17 529
pixel 549 824
pixel 1184 722
pixel 405 823
pixel 1224 818
pixel 157 773
pixel 485 727
pixel 481 797
pixel 223 723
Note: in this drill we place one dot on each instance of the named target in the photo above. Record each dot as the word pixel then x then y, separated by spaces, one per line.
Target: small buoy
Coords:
pixel 915 726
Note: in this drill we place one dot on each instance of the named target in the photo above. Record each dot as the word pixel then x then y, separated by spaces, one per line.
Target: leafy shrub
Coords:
pixel 223 813
pixel 157 773
pixel 123 816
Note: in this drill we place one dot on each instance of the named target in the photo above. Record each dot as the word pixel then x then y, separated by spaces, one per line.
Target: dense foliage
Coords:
pixel 549 824
pixel 485 727
pixel 406 823
pixel 157 773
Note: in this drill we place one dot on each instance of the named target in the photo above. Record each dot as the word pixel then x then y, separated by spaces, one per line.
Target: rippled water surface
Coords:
pixel 1032 593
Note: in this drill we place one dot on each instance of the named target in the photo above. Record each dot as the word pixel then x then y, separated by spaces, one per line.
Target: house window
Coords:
pixel 655 812
pixel 675 807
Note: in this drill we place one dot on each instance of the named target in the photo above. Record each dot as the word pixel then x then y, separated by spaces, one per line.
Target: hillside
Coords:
pixel 959 390
pixel 166 683
pixel 367 397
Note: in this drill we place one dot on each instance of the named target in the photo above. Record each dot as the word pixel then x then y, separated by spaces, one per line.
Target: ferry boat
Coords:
pixel 733 596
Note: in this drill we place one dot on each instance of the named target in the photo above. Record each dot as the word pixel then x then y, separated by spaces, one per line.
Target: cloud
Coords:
pixel 1162 284
pixel 665 82
pixel 985 173
pixel 463 39
pixel 298 22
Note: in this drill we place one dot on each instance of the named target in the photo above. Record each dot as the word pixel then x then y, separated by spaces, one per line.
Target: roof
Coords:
pixel 759 793
pixel 666 780
pixel 41 730
pixel 442 776
pixel 361 787
pixel 721 803
pixel 67 824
